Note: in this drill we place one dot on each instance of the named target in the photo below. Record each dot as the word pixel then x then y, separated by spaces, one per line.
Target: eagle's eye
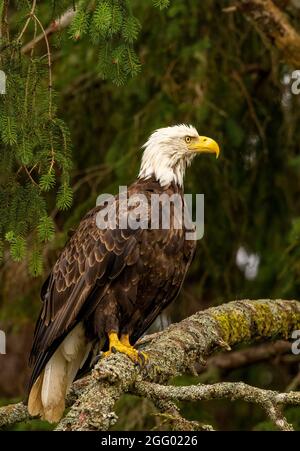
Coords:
pixel 188 139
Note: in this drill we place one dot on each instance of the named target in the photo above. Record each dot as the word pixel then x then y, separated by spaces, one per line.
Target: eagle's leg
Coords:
pixel 123 345
pixel 125 340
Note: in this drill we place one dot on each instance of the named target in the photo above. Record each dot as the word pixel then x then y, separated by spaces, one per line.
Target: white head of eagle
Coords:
pixel 170 150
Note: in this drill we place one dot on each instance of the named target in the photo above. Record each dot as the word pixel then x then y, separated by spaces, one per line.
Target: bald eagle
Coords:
pixel 109 284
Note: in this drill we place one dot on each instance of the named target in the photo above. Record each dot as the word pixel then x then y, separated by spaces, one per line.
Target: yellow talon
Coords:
pixel 123 345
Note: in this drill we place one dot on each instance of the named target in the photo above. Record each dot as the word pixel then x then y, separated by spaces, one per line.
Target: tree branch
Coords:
pixel 55 26
pixel 170 413
pixel 274 26
pixel 16 413
pixel 174 352
pixel 13 413
pixel 248 356
pixel 269 400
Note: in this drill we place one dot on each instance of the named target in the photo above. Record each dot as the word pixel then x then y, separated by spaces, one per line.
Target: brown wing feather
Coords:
pixel 167 283
pixel 82 274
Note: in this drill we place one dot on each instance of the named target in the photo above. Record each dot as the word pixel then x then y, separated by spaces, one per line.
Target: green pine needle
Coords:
pixel 64 197
pixel 47 181
pixel 8 130
pixel 102 19
pixel 17 246
pixel 36 262
pixel 80 24
pixel 131 29
pixel 161 4
pixel 46 229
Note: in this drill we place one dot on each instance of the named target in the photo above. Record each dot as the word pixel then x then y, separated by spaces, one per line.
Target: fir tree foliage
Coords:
pixel 161 4
pixel 34 148
pixel 35 143
pixel 112 26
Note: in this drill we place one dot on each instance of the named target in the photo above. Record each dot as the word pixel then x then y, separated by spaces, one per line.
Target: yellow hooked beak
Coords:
pixel 205 145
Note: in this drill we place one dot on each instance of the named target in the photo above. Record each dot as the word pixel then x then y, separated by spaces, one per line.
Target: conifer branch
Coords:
pixel 49 62
pixel 29 18
pixel 57 25
pixel 29 175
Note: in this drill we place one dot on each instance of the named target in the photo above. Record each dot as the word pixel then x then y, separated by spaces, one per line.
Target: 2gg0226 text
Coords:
pixel 145 440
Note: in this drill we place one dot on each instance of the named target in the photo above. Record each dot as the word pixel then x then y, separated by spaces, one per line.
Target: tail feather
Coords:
pixel 47 396
pixel 35 406
pixel 54 387
pixel 75 364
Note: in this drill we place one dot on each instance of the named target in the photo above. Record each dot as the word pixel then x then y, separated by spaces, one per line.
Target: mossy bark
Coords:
pixel 173 352
pixel 176 351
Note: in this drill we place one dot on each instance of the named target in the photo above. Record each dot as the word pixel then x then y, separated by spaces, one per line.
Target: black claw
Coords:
pixel 142 358
pixel 113 350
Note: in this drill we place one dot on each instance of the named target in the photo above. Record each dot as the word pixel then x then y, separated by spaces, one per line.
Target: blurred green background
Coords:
pixel 194 62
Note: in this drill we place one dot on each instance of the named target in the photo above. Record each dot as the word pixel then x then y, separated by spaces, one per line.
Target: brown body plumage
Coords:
pixel 111 280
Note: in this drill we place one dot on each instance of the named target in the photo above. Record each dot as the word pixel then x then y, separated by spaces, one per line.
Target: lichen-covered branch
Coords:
pixel 171 414
pixel 16 413
pixel 275 27
pixel 269 400
pixel 178 350
pixel 13 413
